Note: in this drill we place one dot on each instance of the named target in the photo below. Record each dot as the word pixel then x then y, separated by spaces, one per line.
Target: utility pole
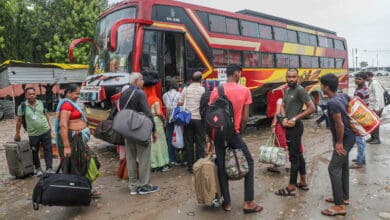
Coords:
pixel 353 60
pixel 356 54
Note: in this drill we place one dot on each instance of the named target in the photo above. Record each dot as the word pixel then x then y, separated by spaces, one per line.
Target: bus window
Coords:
pixel 293 61
pixel 267 60
pixel 205 19
pixel 338 44
pixel 303 38
pixel 331 62
pixel 305 61
pixel 312 40
pixel 280 34
pixel 251 59
pixel 219 57
pixel 282 60
pixel 330 43
pixel 232 26
pixel 322 41
pixel 217 23
pixel 149 52
pixel 339 63
pixel 292 36
pixel 249 29
pixel 314 62
pixel 324 62
pixel 234 57
pixel 265 31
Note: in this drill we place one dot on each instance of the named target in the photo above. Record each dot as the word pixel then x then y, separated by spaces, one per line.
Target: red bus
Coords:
pixel 161 38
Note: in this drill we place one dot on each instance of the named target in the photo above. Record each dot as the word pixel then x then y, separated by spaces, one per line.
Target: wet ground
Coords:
pixel 370 187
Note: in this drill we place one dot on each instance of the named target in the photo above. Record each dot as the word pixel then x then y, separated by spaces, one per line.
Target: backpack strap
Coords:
pixel 221 92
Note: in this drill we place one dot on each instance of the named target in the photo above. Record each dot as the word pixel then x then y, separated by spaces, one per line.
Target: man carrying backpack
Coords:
pixel 343 141
pixel 240 98
pixel 33 115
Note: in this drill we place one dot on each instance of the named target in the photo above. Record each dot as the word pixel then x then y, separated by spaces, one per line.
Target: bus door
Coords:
pixel 164 53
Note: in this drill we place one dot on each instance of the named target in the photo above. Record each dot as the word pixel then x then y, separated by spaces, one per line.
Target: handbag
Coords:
pixel 132 124
pixel 271 154
pixel 236 165
pixel 181 115
pixel 105 132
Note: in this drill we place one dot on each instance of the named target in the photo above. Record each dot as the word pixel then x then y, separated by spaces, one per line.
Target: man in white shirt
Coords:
pixel 194 131
pixel 376 102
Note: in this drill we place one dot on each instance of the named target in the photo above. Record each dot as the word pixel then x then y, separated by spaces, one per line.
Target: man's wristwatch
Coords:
pixel 294 119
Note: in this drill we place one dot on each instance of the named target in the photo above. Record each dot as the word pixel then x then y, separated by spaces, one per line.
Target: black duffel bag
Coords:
pixel 59 189
pixel 104 130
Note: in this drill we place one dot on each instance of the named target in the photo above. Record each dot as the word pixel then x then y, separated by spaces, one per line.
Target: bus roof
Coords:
pixel 283 20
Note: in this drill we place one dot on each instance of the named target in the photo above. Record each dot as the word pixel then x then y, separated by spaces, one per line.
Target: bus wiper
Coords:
pixel 94 78
pixel 108 78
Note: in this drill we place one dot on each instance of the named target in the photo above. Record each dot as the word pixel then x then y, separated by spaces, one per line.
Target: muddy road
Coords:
pixel 370 187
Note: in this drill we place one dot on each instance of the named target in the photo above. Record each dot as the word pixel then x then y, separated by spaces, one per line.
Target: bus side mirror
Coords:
pixel 114 30
pixel 77 41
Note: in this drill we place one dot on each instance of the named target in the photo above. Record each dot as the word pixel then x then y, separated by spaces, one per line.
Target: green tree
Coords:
pixel 363 64
pixel 74 19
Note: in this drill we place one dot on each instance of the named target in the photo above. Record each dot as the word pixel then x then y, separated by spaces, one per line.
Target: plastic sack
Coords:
pixel 177 137
pixel 181 116
pixel 363 120
pixel 93 170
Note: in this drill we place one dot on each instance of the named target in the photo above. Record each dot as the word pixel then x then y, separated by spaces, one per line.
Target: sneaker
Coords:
pixel 165 169
pixel 38 172
pixel 148 189
pixel 375 141
pixel 50 170
pixel 175 163
pixel 356 166
pixel 354 160
pixel 133 193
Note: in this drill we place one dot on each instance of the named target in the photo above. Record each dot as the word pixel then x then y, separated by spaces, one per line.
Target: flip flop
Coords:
pixel 273 169
pixel 331 200
pixel 95 194
pixel 303 187
pixel 257 208
pixel 285 192
pixel 332 212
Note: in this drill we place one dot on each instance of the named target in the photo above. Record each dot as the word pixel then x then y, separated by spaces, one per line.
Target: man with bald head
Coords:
pixel 194 131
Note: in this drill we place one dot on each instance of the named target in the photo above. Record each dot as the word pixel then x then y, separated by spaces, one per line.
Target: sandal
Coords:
pixel 331 200
pixel 285 192
pixel 273 169
pixel 95 194
pixel 332 212
pixel 303 186
pixel 257 208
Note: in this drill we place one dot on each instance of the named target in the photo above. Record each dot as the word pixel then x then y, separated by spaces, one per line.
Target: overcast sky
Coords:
pixel 364 23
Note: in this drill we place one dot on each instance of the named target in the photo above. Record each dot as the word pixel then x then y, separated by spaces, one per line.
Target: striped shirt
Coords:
pixel 362 92
pixel 190 97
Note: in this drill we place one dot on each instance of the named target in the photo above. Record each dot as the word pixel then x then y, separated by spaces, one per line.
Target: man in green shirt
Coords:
pixel 291 114
pixel 36 120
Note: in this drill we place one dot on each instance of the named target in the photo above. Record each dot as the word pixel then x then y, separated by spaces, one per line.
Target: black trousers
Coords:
pixel 35 141
pixel 194 141
pixel 220 150
pixel 294 141
pixel 339 175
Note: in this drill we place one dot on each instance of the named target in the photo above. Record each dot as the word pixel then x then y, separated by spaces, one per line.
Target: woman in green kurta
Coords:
pixel 159 153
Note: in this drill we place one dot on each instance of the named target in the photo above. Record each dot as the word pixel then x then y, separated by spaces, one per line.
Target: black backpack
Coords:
pixel 204 104
pixel 219 121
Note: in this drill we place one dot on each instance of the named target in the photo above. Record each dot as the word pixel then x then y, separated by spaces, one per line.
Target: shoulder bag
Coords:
pixel 132 124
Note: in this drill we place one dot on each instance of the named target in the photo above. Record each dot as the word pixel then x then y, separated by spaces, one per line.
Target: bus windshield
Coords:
pixel 102 60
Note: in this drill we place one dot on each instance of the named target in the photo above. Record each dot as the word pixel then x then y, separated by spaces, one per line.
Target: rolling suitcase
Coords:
pixel 206 182
pixel 19 158
pixel 60 189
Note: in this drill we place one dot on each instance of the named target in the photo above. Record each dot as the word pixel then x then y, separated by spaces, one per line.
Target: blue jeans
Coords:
pixel 171 149
pixel 361 146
